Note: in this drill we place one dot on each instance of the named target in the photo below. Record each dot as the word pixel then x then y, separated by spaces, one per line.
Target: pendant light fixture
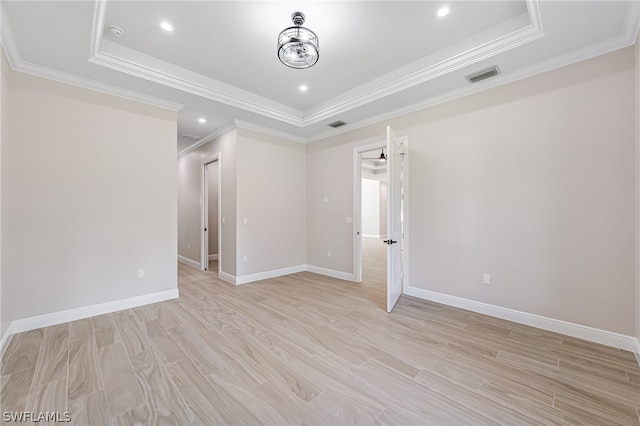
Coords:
pixel 382 157
pixel 298 46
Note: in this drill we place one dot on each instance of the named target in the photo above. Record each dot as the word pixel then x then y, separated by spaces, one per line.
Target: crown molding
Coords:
pixel 85 83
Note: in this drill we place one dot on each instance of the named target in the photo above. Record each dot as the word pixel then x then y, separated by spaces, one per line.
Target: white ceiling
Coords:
pixel 378 59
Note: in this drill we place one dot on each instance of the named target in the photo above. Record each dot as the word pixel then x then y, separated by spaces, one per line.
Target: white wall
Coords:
pixel 370 208
pixel 189 194
pixel 532 182
pixel 271 196
pixel 92 198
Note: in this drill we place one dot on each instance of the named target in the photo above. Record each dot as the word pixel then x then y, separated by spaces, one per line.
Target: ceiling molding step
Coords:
pixel 499 45
pixel 245 125
pixel 17 64
pixel 160 77
pixel 208 138
pixel 9 42
pixel 85 83
pixel 104 52
pixel 632 24
pixel 533 9
pixel 109 60
pixel 295 117
pixel 98 26
pixel 503 79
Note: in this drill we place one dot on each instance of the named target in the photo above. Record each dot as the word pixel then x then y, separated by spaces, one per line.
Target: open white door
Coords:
pixel 395 170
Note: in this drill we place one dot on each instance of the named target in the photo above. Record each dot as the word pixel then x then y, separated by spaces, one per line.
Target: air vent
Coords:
pixel 187 136
pixel 336 124
pixel 483 74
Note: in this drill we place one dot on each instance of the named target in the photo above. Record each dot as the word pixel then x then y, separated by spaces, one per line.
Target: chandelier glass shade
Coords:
pixel 298 46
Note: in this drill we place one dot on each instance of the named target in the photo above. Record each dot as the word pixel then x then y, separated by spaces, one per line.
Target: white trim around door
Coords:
pixel 357 208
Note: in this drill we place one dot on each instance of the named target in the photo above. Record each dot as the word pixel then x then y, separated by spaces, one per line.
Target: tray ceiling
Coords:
pixel 377 59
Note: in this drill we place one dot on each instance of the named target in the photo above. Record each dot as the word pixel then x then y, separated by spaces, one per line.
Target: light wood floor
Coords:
pixel 307 349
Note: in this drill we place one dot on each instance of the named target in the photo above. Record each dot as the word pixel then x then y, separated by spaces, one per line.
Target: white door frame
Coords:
pixel 204 212
pixel 357 209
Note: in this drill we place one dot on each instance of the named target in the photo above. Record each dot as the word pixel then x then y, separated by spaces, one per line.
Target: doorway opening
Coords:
pixel 373 219
pixel 387 262
pixel 211 241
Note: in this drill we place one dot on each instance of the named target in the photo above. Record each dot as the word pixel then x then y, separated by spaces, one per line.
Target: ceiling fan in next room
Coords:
pixel 382 157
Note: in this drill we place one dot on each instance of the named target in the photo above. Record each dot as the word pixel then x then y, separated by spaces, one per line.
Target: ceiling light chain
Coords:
pixel 298 46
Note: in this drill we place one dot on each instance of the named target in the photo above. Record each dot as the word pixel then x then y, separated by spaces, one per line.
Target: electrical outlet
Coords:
pixel 188 246
pixel 140 274
pixel 486 279
pixel 245 259
pixel 329 253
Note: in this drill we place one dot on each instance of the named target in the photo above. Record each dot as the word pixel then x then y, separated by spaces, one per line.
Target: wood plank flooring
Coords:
pixel 308 349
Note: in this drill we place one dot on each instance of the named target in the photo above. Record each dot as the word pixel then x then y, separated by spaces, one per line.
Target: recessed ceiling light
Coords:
pixel 443 11
pixel 303 88
pixel 166 26
pixel 202 120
